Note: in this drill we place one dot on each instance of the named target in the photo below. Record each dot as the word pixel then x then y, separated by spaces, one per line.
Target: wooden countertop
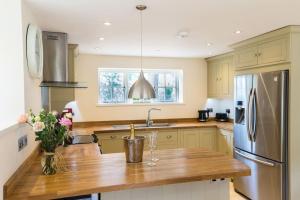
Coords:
pixel 90 172
pixel 94 128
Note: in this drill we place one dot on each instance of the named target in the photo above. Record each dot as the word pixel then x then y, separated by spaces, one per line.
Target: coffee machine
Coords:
pixel 203 115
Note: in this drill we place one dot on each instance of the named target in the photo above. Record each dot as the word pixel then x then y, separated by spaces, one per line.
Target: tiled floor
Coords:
pixel 234 195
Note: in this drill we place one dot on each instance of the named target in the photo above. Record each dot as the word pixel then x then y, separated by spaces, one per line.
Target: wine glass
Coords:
pixel 155 157
pixel 152 143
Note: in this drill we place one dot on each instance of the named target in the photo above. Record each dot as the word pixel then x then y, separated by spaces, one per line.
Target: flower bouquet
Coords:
pixel 51 130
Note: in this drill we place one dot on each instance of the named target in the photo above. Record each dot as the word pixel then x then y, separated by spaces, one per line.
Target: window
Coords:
pixel 114 85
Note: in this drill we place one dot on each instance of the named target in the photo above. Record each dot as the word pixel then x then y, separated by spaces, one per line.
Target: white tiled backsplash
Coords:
pixel 220 106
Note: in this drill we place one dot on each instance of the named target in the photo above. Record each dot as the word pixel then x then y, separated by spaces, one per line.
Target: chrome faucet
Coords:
pixel 149 122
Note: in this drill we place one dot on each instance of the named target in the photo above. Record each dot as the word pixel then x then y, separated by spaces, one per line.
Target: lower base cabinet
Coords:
pixel 207 137
pixel 225 142
pixel 111 142
pixel 198 137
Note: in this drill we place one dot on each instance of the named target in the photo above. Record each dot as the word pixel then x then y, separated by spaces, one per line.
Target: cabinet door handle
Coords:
pixel 169 136
pixel 259 54
pixel 113 137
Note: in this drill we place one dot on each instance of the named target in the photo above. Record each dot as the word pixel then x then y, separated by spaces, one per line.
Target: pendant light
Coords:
pixel 141 89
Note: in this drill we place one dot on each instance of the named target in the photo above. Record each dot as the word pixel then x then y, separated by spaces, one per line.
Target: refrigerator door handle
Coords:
pixel 255 160
pixel 254 115
pixel 249 115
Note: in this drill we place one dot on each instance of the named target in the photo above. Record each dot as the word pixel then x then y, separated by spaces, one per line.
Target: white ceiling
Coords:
pixel 206 21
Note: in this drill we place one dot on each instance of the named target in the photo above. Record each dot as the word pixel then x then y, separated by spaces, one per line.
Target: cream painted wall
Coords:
pixel 11 60
pixel 20 92
pixel 194 88
pixel 32 90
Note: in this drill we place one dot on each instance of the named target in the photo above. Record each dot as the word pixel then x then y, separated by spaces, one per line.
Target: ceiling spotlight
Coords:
pixel 182 34
pixel 209 44
pixel 237 32
pixel 107 23
pixel 101 38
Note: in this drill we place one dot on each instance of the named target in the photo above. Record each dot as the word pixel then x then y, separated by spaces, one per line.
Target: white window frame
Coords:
pixel 128 102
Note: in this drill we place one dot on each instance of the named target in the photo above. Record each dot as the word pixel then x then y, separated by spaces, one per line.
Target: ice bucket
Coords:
pixel 134 148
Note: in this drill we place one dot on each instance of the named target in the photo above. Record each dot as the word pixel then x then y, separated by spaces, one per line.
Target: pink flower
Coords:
pixel 65 122
pixel 22 119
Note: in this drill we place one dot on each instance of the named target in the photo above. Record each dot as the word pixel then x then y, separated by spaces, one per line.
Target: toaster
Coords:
pixel 221 117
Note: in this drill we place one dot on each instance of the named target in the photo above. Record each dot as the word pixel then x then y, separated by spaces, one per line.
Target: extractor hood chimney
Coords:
pixel 56 71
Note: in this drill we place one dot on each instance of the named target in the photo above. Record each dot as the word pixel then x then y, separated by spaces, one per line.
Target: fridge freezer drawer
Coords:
pixel 267 180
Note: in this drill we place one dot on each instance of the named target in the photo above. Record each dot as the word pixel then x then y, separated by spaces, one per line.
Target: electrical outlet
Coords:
pixel 210 110
pixel 22 142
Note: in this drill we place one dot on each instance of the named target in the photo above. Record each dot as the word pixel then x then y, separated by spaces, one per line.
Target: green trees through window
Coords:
pixel 114 85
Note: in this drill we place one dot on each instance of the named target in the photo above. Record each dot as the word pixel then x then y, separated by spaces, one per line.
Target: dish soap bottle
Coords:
pixel 132 132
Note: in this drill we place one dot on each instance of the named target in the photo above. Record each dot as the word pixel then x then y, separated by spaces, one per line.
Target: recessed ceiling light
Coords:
pixel 182 34
pixel 97 48
pixel 209 44
pixel 107 23
pixel 101 38
pixel 237 32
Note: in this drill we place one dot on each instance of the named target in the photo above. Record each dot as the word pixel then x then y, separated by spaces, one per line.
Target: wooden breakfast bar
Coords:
pixel 189 173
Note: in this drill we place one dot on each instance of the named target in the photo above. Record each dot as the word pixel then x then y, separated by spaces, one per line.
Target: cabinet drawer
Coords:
pixel 107 136
pixel 167 137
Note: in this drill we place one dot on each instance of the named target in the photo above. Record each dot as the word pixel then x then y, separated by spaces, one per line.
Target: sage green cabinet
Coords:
pixel 225 142
pixel 198 137
pixel 220 76
pixel 111 142
pixel 190 138
pixel 210 138
pixel 262 53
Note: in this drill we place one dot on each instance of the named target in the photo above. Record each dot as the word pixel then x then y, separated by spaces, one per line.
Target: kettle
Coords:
pixel 203 115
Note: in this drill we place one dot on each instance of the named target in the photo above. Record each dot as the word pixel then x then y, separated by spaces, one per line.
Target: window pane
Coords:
pixel 105 78
pixel 105 94
pixel 170 80
pixel 108 82
pixel 118 94
pixel 117 79
pixel 132 77
pixel 161 80
pixel 151 78
pixel 170 94
pixel 161 94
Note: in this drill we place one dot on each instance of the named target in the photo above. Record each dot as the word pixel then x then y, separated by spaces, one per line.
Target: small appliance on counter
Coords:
pixel 223 117
pixel 204 115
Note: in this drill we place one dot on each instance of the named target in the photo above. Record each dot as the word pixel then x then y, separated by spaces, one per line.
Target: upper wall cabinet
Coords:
pixel 268 49
pixel 220 76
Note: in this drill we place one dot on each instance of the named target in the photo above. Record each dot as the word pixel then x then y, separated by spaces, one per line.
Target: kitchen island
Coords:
pixel 187 173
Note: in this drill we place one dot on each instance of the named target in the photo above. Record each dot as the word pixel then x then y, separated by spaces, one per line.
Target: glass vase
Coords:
pixel 48 163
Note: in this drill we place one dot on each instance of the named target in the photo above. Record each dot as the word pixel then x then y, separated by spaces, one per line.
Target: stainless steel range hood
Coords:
pixel 57 72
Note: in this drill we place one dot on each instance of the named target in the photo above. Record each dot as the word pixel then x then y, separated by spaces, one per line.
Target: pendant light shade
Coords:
pixel 141 89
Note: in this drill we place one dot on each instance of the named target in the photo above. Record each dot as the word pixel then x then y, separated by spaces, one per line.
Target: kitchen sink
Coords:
pixel 154 125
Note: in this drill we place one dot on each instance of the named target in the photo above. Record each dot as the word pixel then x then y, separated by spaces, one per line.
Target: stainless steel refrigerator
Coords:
pixel 261 134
